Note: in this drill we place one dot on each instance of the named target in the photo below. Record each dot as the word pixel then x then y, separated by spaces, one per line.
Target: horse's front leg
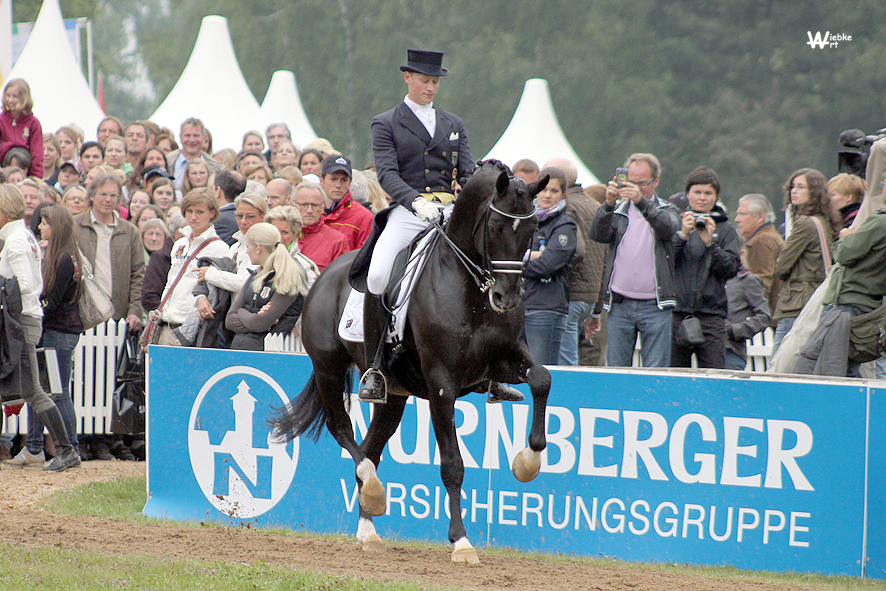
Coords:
pixel 441 396
pixel 373 501
pixel 527 463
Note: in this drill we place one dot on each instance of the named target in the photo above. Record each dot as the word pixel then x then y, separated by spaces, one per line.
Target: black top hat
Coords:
pixel 424 62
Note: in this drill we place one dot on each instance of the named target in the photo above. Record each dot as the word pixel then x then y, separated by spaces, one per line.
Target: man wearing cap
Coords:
pixel 68 174
pixel 419 153
pixel 342 212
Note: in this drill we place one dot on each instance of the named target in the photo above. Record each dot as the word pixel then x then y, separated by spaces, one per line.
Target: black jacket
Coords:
pixel 701 272
pixel 410 162
pixel 546 279
pixel 610 225
pixel 15 364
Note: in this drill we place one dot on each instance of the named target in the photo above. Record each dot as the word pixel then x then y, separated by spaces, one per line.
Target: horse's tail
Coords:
pixel 304 414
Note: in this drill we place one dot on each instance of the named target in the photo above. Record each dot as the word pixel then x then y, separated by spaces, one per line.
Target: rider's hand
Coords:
pixel 428 211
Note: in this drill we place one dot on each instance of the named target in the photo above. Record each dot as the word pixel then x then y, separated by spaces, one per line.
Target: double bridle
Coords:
pixel 483 276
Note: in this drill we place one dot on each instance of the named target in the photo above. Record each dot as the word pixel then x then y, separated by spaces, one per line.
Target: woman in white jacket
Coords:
pixel 250 210
pixel 20 259
pixel 200 210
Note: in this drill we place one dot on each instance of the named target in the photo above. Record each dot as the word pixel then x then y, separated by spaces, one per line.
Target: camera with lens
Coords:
pixel 700 221
pixel 856 147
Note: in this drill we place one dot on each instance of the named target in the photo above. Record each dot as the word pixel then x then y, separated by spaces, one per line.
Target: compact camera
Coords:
pixel 700 221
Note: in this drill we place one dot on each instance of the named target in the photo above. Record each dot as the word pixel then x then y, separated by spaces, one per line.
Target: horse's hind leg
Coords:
pixel 373 500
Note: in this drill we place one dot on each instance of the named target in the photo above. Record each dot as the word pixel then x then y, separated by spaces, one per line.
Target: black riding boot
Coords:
pixel 65 454
pixel 499 392
pixel 372 384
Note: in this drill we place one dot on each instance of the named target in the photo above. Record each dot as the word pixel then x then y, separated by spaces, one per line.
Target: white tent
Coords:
pixel 58 87
pixel 282 103
pixel 535 133
pixel 212 88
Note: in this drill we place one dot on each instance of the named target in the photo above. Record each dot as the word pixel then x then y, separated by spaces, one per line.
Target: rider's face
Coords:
pixel 422 88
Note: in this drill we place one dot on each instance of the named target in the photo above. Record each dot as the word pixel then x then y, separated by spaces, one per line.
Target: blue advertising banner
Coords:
pixel 671 466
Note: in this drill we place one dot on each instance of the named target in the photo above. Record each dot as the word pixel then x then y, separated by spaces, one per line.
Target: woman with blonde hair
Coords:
pixel 272 301
pixel 287 220
pixel 197 174
pixel 52 158
pixel 250 209
pixel 259 173
pixel 70 141
pixel 75 199
pixel 19 127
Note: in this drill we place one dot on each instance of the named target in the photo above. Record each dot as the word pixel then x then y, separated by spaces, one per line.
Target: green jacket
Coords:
pixel 800 265
pixel 863 254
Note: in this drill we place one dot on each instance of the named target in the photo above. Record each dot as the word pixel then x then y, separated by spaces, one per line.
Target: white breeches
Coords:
pixel 402 227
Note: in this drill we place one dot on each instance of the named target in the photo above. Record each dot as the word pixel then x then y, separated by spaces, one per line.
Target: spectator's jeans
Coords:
pixel 578 311
pixel 544 333
pixel 734 361
pixel 782 329
pixel 64 345
pixel 629 317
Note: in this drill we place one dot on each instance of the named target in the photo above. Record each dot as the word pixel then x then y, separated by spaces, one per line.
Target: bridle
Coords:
pixel 483 276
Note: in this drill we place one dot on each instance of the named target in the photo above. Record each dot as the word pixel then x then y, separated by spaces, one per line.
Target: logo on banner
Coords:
pixel 240 468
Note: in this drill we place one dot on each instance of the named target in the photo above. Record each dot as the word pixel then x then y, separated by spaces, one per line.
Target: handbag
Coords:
pixel 128 402
pixel 151 333
pixel 865 339
pixel 95 303
pixel 690 330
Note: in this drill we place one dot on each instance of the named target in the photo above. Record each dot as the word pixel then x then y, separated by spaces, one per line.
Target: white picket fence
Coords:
pixel 95 359
pixel 93 377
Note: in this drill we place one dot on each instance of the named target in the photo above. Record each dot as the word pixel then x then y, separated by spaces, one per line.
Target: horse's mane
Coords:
pixel 484 174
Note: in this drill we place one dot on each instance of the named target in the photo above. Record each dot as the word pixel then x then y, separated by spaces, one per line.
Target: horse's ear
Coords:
pixel 539 185
pixel 501 184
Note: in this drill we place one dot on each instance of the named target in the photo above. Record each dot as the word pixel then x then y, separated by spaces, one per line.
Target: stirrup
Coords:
pixel 383 398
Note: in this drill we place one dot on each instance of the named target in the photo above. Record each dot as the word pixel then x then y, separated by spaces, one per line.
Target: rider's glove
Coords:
pixel 428 211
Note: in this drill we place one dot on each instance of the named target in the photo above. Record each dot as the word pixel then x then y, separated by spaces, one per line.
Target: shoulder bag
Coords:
pixel 95 303
pixel 151 333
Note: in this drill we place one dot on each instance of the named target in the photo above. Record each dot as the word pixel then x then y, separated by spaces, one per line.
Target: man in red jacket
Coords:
pixel 318 241
pixel 342 212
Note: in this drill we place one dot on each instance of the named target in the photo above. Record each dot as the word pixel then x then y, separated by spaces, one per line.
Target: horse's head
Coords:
pixel 510 224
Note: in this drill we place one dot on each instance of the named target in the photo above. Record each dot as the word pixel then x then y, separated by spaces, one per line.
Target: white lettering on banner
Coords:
pixel 636 448
pixel 667 519
pixel 639 434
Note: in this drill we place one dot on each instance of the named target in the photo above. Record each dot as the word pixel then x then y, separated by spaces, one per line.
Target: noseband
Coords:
pixel 512 267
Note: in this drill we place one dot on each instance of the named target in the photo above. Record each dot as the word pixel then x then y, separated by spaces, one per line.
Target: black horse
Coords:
pixel 462 331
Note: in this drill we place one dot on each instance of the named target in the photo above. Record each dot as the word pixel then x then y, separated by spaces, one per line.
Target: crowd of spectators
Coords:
pixel 196 237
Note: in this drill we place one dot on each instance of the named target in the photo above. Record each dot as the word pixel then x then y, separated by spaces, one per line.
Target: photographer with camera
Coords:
pixel 706 255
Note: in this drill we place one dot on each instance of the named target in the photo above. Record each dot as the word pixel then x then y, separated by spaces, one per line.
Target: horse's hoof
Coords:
pixel 373 543
pixel 527 465
pixel 464 552
pixel 372 497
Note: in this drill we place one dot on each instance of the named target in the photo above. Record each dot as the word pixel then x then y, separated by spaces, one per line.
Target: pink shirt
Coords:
pixel 633 271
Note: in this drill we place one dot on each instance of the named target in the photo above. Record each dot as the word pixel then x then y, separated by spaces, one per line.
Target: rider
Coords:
pixel 419 153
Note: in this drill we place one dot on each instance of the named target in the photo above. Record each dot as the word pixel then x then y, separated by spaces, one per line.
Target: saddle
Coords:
pixel 360 267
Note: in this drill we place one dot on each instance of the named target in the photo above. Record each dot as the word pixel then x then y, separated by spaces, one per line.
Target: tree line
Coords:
pixel 732 85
